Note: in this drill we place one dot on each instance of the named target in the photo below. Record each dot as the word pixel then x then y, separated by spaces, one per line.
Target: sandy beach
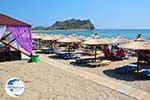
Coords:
pixel 45 82
pixel 74 50
pixel 108 72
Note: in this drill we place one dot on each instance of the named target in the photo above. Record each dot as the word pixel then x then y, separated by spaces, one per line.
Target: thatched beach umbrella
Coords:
pixel 138 44
pixel 36 36
pixel 37 40
pixel 47 38
pixel 69 40
pixel 95 42
pixel 51 37
pixel 118 39
pixel 88 38
pixel 106 39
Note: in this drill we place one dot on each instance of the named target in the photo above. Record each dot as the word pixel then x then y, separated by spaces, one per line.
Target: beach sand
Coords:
pixel 45 82
pixel 108 72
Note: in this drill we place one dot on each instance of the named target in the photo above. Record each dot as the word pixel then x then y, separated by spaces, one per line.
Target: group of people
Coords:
pixel 144 56
pixel 114 51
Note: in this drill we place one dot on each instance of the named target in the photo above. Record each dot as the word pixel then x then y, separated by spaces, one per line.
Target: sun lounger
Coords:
pixel 131 53
pixel 94 64
pixel 51 50
pixel 145 74
pixel 36 46
pixel 99 63
pixel 84 61
pixel 57 51
pixel 47 51
pixel 105 62
pixel 126 69
pixel 70 56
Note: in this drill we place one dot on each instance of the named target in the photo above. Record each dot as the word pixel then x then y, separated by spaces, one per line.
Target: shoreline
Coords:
pixel 89 30
pixel 129 34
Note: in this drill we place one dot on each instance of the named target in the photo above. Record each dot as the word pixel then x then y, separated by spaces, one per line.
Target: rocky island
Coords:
pixel 68 24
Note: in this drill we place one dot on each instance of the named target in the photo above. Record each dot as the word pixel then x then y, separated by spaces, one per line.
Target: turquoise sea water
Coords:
pixel 127 33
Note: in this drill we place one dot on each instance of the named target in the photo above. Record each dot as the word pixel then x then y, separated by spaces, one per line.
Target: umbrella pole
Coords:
pixel 51 42
pixel 69 49
pixel 95 53
pixel 138 62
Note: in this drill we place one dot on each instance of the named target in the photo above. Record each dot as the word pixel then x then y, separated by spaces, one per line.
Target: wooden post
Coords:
pixel 7 43
pixel 138 62
pixel 11 41
pixel 69 49
pixel 95 52
pixel 6 36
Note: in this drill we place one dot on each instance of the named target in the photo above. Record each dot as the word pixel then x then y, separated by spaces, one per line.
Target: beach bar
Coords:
pixel 16 34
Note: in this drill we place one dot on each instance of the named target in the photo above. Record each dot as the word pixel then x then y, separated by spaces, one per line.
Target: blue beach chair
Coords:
pixel 145 74
pixel 71 56
pixel 84 61
pixel 47 51
pixel 57 51
pixel 126 69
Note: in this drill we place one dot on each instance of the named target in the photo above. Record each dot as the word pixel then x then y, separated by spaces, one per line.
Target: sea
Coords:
pixel 127 33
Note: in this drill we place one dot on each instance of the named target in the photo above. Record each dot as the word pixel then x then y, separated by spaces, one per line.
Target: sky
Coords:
pixel 104 14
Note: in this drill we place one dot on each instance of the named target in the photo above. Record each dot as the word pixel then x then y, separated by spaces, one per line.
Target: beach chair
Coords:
pixel 126 69
pixel 71 56
pixel 99 63
pixel 94 64
pixel 105 62
pixel 46 50
pixel 131 53
pixel 145 74
pixel 35 46
pixel 57 51
pixel 84 61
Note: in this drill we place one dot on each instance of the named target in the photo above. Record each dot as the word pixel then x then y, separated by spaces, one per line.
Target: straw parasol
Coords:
pixel 36 36
pixel 69 40
pixel 51 37
pixel 95 42
pixel 138 44
pixel 118 39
